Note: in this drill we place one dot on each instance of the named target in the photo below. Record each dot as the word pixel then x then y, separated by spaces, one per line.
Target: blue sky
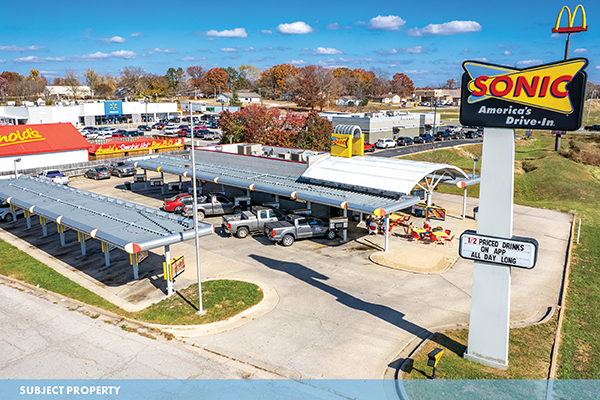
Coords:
pixel 427 40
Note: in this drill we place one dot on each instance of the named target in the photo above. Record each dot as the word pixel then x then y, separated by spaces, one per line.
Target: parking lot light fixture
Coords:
pixel 474 161
pixel 201 310
pixel 16 171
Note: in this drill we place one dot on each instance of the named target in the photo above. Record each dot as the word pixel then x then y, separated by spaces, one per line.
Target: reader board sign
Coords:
pixel 515 252
pixel 549 96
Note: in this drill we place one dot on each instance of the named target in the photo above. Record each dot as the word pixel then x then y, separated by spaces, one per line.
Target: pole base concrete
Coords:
pixel 500 364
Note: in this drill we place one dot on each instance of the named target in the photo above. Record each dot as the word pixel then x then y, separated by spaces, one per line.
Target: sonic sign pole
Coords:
pixel 500 98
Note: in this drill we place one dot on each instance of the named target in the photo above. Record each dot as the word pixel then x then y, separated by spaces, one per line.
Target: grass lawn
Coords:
pixel 544 179
pixel 221 299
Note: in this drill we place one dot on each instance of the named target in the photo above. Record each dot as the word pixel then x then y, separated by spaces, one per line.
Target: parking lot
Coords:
pixel 332 310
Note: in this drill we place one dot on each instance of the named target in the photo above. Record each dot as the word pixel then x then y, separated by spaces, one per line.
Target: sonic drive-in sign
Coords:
pixel 548 96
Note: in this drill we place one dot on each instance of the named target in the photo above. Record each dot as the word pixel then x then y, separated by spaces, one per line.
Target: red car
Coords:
pixel 173 204
pixel 369 147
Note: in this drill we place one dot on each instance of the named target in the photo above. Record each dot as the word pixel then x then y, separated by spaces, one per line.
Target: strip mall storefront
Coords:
pixel 142 146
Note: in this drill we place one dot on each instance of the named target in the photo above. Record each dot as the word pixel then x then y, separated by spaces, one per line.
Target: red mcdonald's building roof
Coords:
pixel 18 140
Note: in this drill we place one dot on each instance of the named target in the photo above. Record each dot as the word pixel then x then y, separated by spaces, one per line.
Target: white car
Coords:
pixel 385 143
pixel 5 213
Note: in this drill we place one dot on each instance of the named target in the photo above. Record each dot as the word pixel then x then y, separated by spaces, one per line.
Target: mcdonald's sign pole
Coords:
pixel 570 28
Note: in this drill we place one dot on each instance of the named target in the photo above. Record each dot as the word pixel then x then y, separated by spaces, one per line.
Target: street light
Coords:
pixel 16 172
pixel 474 161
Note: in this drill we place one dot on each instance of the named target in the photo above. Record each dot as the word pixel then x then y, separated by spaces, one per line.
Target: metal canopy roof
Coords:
pixel 294 187
pixel 128 226
pixel 380 173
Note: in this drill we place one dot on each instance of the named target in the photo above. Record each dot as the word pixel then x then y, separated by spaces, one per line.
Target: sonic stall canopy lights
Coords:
pixel 548 96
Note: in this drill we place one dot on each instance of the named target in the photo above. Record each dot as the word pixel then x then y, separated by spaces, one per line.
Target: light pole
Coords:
pixel 201 310
pixel 474 161
pixel 16 160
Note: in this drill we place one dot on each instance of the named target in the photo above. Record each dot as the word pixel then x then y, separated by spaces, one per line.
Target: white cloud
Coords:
pixel 529 62
pixel 298 62
pixel 250 50
pixel 114 39
pixel 2 61
pixel 597 66
pixel 506 53
pixel 193 59
pixel 295 28
pixel 389 23
pixel 166 51
pixel 580 51
pixel 556 35
pixel 229 49
pixel 319 51
pixel 333 27
pixel 21 49
pixel 416 71
pixel 446 29
pixel 266 32
pixel 386 53
pixel 137 34
pixel 36 59
pixel 415 50
pixel 235 33
pixel 410 50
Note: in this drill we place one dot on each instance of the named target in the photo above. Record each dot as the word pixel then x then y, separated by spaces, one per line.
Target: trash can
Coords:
pixel 475 213
pixel 127 185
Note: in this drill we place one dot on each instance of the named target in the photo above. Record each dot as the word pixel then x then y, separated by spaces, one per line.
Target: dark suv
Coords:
pixel 404 141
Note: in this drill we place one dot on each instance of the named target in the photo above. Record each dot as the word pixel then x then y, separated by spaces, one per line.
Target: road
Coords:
pixel 417 148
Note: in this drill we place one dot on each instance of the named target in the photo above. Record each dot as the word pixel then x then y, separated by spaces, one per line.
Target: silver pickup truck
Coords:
pixel 247 222
pixel 211 204
pixel 297 227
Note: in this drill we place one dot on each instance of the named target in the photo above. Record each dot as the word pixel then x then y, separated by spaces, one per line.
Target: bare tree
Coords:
pixel 132 79
pixel 72 82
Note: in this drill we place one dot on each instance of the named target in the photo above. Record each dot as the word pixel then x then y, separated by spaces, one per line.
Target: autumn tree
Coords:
pixel 132 78
pixel 92 79
pixel 402 85
pixel 312 85
pixel 14 80
pixel 106 86
pixel 57 81
pixel 256 124
pixel 72 82
pixel 216 81
pixel 197 77
pixel 250 74
pixel 275 81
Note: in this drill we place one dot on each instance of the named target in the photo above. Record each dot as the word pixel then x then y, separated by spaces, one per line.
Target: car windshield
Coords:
pixel 174 198
pixel 102 169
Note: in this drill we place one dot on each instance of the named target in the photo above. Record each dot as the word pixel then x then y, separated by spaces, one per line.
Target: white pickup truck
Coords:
pixel 55 176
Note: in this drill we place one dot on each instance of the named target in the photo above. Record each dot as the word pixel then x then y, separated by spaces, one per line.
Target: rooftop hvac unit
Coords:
pixel 285 156
pixel 296 156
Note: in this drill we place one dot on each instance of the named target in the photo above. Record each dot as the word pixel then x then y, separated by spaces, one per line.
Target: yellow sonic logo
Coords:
pixel 339 142
pixel 544 86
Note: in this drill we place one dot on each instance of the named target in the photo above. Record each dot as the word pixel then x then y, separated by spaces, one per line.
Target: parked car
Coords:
pixel 91 135
pixel 120 134
pixel 144 128
pixel 211 136
pixel 211 204
pixel 404 141
pixel 170 129
pixel 135 133
pixel 251 221
pixel 6 215
pixel 369 147
pixel 297 227
pixel 55 176
pixel 442 135
pixel 97 173
pixel 120 169
pixel 423 138
pixel 471 134
pixel 182 133
pixel 385 143
pixel 174 203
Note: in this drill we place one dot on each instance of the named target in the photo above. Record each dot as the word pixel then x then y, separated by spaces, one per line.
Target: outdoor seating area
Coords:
pixel 404 227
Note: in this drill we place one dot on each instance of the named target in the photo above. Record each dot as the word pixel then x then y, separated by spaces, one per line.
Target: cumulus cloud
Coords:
pixel 2 61
pixel 508 46
pixel 229 49
pixel 114 39
pixel 580 51
pixel 446 29
pixel 193 59
pixel 527 63
pixel 137 34
pixel 16 49
pixel 389 23
pixel 410 50
pixel 295 28
pixel 166 51
pixel 250 50
pixel 266 32
pixel 98 56
pixel 333 27
pixel 298 62
pixel 506 53
pixel 319 51
pixel 235 33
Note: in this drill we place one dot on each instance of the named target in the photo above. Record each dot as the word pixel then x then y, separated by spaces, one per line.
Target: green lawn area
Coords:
pixel 545 179
pixel 222 299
